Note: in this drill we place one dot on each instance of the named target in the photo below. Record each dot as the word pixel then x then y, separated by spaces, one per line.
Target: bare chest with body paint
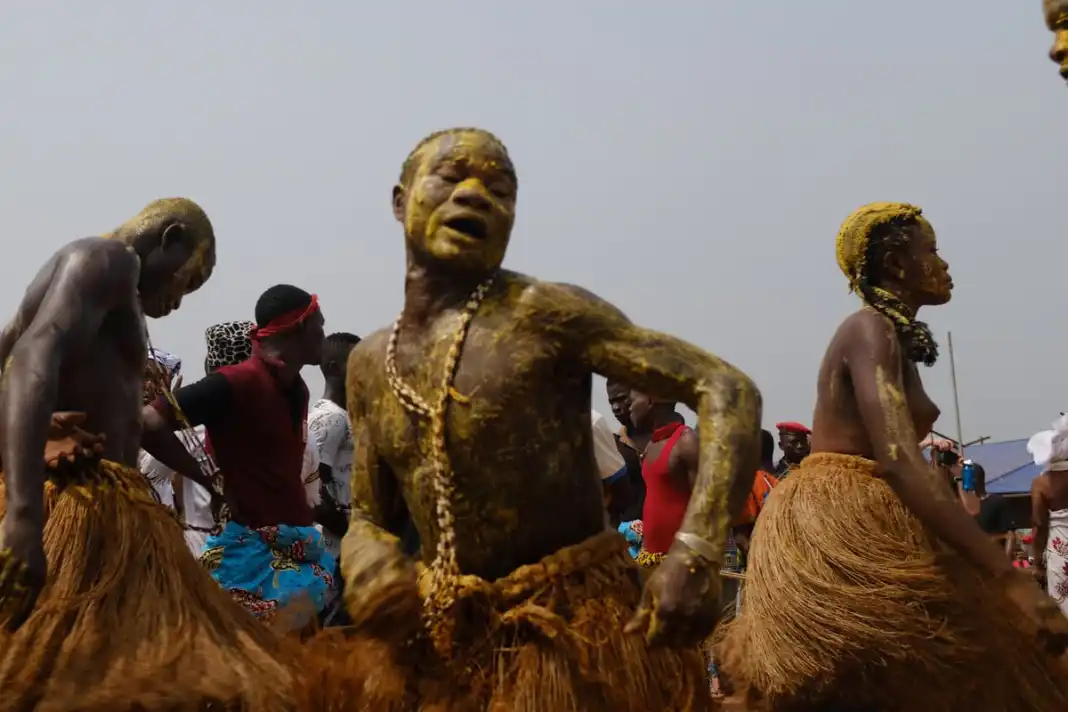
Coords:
pixel 838 423
pixel 102 378
pixel 518 435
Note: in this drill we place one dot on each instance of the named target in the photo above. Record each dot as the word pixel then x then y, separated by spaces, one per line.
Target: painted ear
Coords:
pixel 893 264
pixel 399 198
pixel 173 235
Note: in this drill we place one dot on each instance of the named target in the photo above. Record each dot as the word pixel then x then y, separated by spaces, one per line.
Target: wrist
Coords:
pixel 699 548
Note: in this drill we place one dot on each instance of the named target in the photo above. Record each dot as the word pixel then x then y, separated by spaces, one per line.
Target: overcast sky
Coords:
pixel 690 161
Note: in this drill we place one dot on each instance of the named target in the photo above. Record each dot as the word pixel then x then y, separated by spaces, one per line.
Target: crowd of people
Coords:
pixel 450 527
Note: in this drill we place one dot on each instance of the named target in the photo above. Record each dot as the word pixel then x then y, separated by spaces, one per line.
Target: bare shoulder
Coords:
pixel 95 262
pixel 561 303
pixel 865 329
pixel 368 357
pixel 688 444
pixel 371 350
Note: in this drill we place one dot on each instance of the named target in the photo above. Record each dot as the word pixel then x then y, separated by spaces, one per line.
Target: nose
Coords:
pixel 472 194
pixel 1059 51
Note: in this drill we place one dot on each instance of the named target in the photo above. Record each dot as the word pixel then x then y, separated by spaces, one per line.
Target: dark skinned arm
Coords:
pixel 381 592
pixel 680 601
pixel 203 402
pixel 1040 522
pixel 85 287
pixel 874 358
pixel 727 403
pixel 329 514
pixel 683 460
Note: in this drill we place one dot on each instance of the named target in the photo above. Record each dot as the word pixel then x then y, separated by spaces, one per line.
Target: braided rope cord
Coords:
pixel 444 572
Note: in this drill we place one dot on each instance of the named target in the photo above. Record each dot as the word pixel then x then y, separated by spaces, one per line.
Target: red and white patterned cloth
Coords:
pixel 1057 558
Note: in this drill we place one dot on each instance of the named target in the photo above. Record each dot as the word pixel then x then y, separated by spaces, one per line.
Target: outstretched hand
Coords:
pixel 680 601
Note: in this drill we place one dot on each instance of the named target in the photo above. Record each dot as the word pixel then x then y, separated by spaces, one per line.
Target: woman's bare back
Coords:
pixel 1054 485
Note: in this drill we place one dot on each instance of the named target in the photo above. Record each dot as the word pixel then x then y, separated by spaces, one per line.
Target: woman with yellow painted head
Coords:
pixel 868 587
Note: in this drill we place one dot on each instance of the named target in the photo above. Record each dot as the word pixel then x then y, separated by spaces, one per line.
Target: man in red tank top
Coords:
pixel 669 468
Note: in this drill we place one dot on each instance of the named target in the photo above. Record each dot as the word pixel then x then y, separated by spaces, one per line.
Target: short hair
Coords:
pixel 278 300
pixel 412 161
pixel 767 446
pixel 980 479
pixel 337 348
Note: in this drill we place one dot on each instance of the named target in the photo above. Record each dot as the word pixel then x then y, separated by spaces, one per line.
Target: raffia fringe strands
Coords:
pixel 850 603
pixel 128 620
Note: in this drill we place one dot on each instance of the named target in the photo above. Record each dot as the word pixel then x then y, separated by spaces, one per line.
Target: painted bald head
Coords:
pixel 176 244
pixel 456 199
pixel 1056 12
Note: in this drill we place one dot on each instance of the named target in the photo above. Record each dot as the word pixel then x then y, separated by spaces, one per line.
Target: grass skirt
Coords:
pixel 850 604
pixel 128 620
pixel 547 637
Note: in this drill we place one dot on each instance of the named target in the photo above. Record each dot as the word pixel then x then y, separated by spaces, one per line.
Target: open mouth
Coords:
pixel 468 226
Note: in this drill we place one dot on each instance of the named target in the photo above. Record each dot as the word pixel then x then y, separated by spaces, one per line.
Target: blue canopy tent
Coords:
pixel 1009 467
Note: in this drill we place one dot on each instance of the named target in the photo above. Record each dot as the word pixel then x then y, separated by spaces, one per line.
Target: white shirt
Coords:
pixel 197 499
pixel 329 429
pixel 610 463
pixel 309 470
pixel 330 432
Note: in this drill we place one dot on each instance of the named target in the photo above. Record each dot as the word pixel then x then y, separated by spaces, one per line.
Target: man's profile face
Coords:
pixel 313 338
pixel 1056 12
pixel 641 409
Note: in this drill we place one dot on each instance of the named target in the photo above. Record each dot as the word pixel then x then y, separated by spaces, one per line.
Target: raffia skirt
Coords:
pixel 548 637
pixel 851 605
pixel 128 620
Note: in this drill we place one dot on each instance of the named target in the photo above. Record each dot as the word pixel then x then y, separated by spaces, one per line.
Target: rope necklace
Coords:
pixel 443 570
pixel 191 443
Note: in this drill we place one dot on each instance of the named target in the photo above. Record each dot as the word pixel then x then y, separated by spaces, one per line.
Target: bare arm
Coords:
pixel 85 287
pixel 727 403
pixel 1040 520
pixel 374 488
pixel 206 400
pixel 381 592
pixel 874 359
pixel 684 459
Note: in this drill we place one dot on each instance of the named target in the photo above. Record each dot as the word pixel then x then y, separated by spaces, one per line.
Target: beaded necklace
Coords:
pixel 443 570
pixel 191 442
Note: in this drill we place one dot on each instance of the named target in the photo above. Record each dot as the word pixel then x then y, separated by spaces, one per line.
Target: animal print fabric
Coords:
pixel 229 343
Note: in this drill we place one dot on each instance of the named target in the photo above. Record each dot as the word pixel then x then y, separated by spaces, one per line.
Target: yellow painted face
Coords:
pixel 459 206
pixel 1057 22
pixel 925 269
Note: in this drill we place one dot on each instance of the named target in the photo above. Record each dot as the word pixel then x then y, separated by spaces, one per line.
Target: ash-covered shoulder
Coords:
pixel 369 353
pixel 560 302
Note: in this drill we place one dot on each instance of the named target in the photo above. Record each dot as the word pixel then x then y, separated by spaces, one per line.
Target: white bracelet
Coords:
pixel 699 545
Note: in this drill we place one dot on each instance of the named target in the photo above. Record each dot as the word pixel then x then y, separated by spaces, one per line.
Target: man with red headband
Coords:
pixel 269 553
pixel 794 442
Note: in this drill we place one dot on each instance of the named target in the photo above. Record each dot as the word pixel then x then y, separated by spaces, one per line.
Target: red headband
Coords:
pixel 285 322
pixel 792 427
